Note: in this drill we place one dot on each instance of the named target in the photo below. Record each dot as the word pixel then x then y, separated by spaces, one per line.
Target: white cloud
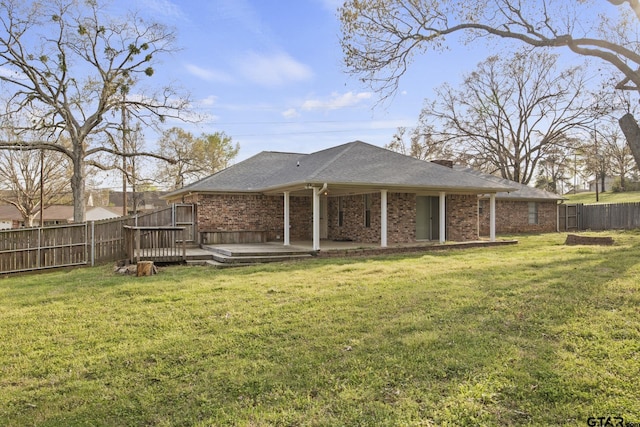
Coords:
pixel 291 113
pixel 337 101
pixel 165 8
pixel 11 74
pixel 273 70
pixel 209 75
pixel 208 101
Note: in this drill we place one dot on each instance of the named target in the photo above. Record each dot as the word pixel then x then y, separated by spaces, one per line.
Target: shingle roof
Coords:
pixel 521 192
pixel 51 213
pixel 60 213
pixel 352 164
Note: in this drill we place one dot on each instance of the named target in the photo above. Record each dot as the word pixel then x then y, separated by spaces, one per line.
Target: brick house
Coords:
pixel 523 210
pixel 355 192
pixel 10 217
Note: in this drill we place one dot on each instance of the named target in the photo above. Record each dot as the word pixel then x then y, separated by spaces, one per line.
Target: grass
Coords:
pixel 533 334
pixel 603 198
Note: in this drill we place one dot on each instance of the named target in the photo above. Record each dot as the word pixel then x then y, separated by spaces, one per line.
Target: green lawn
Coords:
pixel 537 333
pixel 606 197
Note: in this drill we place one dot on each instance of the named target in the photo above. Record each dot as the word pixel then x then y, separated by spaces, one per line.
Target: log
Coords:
pixel 145 268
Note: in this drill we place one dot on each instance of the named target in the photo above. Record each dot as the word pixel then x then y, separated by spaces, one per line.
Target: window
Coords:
pixel 367 210
pixel 533 213
pixel 340 211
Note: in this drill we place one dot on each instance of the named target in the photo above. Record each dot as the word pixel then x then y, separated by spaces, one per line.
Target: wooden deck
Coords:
pixel 242 254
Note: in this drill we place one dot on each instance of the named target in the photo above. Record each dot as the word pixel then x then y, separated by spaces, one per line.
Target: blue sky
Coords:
pixel 270 75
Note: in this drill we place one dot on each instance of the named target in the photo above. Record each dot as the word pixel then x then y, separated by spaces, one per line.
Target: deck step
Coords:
pixel 242 255
pixel 252 252
pixel 257 259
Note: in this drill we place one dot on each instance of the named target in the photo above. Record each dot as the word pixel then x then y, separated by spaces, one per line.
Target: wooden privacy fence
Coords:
pixel 40 248
pixel 619 216
pixel 89 243
pixel 616 216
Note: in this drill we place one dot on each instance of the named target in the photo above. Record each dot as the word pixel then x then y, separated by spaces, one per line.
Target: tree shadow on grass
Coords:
pixel 478 347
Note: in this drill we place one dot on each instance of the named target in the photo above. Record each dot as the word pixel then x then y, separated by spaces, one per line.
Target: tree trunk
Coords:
pixel 77 188
pixel 631 132
pixel 145 268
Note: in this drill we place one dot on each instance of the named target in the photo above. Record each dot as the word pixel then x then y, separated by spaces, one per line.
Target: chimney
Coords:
pixel 447 163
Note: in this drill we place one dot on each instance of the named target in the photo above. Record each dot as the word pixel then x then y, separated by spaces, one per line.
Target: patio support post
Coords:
pixel 383 218
pixel 286 219
pixel 442 217
pixel 492 217
pixel 316 219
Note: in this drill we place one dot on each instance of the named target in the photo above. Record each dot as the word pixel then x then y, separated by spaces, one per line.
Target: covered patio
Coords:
pixel 318 191
pixel 350 193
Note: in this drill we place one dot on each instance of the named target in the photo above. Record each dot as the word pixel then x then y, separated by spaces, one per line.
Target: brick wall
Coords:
pixel 266 213
pixel 300 218
pixel 462 217
pixel 513 217
pixel 232 212
pixel 401 218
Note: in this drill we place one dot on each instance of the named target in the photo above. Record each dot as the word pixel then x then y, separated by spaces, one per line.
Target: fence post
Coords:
pixel 93 243
pixel 137 245
pixel 39 252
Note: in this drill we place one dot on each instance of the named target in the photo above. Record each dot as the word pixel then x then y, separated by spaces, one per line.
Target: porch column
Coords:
pixel 286 219
pixel 442 217
pixel 383 218
pixel 316 219
pixel 492 217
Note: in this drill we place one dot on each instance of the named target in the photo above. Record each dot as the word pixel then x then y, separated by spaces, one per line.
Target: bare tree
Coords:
pixel 422 144
pixel 66 65
pixel 620 157
pixel 194 157
pixel 129 140
pixel 509 114
pixel 552 170
pixel 31 180
pixel 381 37
pixel 614 155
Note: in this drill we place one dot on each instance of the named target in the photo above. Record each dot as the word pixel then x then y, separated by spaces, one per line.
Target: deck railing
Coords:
pixel 27 249
pixel 159 244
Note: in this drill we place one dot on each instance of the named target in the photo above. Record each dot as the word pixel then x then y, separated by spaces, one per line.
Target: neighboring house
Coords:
pixel 523 210
pixel 97 213
pixel 355 191
pixel 9 217
pixel 53 215
pixel 608 184
pixel 144 201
